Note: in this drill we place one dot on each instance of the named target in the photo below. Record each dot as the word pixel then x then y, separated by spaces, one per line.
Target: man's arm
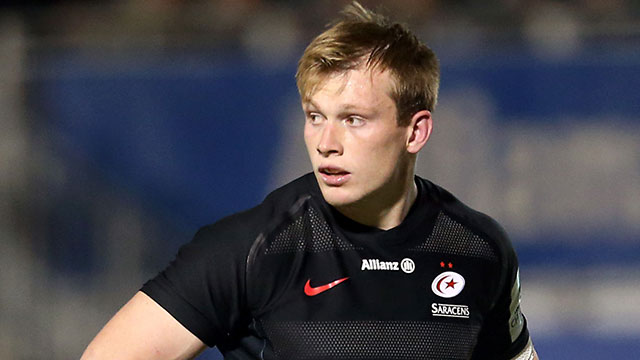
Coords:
pixel 142 329
pixel 528 353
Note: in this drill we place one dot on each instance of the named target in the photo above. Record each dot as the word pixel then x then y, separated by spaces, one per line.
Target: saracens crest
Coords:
pixel 448 284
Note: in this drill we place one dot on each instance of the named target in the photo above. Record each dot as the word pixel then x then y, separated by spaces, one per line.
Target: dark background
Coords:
pixel 126 125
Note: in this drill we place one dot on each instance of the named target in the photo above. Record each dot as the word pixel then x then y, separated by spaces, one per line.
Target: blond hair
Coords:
pixel 363 37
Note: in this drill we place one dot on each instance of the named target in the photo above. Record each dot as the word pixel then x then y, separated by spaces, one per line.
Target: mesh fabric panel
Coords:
pixel 307 232
pixel 372 340
pixel 451 237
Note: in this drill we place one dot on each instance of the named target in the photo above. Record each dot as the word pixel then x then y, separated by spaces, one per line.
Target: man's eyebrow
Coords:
pixel 309 105
pixel 351 107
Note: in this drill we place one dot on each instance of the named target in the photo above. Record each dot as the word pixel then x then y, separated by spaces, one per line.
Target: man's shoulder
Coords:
pixel 246 225
pixel 284 196
pixel 454 211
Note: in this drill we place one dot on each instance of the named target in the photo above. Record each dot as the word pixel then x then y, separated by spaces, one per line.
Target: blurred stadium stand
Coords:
pixel 126 125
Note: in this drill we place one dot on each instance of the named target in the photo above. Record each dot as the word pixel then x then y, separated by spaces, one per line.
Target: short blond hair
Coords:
pixel 363 37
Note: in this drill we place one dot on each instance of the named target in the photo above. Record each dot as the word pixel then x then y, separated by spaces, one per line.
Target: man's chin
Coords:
pixel 337 197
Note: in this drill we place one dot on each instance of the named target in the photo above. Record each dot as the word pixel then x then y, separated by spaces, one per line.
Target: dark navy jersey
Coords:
pixel 294 279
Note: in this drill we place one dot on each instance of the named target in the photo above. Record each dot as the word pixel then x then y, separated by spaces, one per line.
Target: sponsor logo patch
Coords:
pixel 448 284
pixel 516 320
pixel 315 290
pixel 407 265
pixel 450 310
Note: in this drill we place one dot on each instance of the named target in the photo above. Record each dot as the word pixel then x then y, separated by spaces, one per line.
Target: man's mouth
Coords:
pixel 334 176
pixel 329 170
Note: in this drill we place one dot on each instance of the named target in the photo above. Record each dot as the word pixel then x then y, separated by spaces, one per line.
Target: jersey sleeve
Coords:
pixel 204 287
pixel 504 331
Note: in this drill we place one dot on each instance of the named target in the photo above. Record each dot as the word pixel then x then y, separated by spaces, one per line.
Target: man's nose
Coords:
pixel 330 140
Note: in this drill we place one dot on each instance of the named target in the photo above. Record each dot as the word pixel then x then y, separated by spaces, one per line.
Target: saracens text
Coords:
pixel 450 310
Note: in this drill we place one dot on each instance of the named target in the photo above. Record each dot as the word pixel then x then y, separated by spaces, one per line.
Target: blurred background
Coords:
pixel 126 125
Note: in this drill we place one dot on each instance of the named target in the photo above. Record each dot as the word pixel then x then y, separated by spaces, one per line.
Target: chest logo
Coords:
pixel 407 265
pixel 448 284
pixel 313 291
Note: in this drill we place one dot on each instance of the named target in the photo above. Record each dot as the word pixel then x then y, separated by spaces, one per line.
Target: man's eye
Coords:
pixel 354 121
pixel 314 118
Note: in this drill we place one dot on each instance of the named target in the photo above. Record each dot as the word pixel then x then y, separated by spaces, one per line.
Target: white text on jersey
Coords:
pixel 449 310
pixel 407 265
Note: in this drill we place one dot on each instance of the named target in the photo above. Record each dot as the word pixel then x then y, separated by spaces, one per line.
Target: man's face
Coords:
pixel 357 149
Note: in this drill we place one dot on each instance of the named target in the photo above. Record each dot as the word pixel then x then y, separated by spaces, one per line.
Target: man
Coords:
pixel 359 260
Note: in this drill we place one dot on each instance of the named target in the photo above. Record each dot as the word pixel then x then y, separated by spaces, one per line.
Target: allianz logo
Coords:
pixel 407 265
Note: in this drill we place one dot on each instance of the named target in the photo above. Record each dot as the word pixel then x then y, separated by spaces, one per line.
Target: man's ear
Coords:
pixel 419 131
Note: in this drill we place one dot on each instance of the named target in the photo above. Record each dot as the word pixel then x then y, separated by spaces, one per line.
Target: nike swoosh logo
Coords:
pixel 313 291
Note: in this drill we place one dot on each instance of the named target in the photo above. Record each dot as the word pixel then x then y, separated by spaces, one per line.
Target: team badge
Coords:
pixel 448 284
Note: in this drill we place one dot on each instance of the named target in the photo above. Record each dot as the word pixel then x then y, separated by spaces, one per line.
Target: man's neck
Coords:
pixel 385 214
